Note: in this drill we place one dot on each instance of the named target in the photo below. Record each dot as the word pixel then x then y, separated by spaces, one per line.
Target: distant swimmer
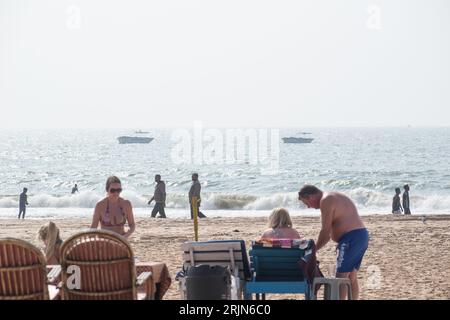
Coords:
pixel 75 189
pixel 195 192
pixel 406 206
pixel 160 197
pixel 396 206
pixel 23 202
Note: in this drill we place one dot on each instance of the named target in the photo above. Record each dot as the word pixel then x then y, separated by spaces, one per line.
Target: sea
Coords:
pixel 243 171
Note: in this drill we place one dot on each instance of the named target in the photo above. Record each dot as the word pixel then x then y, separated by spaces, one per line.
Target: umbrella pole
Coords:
pixel 194 204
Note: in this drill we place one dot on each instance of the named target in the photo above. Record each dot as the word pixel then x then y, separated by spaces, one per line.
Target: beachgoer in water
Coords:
pixel 194 191
pixel 396 206
pixel 23 202
pixel 160 197
pixel 406 206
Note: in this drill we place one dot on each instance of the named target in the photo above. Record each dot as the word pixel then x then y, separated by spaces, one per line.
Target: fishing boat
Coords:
pixel 127 139
pixel 297 140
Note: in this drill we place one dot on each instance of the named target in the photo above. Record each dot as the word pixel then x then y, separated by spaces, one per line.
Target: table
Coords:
pixel 160 274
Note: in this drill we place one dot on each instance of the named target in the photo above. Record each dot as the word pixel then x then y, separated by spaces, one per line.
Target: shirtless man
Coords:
pixel 342 224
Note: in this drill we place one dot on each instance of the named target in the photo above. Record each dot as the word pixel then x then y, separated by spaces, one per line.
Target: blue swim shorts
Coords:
pixel 350 250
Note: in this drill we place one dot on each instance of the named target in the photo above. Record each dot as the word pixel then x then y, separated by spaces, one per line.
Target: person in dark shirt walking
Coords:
pixel 195 192
pixel 23 202
pixel 396 206
pixel 160 197
pixel 406 207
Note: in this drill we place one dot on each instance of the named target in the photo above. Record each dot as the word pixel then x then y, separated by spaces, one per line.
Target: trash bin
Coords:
pixel 206 282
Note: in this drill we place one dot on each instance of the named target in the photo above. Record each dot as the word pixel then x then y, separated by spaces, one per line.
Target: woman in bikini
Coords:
pixel 113 212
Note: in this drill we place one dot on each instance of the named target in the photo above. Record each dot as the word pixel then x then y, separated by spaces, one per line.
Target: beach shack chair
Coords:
pixel 276 270
pixel 231 253
pixel 23 272
pixel 99 265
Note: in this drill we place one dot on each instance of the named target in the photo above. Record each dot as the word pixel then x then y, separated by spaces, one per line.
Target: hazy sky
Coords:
pixel 142 64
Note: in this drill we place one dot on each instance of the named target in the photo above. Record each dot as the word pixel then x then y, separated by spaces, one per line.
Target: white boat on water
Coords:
pixel 141 132
pixel 127 139
pixel 297 140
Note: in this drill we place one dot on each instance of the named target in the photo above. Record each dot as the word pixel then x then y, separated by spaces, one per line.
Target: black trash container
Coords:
pixel 206 282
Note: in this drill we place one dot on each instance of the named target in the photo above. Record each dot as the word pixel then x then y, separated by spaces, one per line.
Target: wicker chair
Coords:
pixel 103 261
pixel 23 272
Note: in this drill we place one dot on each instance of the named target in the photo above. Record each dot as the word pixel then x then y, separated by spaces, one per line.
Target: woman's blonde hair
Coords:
pixel 49 233
pixel 279 218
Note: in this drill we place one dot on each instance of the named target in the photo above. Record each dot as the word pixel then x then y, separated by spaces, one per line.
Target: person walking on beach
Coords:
pixel 406 207
pixel 114 212
pixel 75 189
pixel 396 206
pixel 160 197
pixel 195 192
pixel 23 202
pixel 342 224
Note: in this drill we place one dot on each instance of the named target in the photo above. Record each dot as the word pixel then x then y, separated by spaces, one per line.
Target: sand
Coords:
pixel 406 259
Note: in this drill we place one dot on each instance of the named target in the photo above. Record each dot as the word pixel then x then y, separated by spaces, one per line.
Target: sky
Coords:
pixel 236 63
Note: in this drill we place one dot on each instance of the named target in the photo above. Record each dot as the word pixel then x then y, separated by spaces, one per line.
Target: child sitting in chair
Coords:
pixel 280 225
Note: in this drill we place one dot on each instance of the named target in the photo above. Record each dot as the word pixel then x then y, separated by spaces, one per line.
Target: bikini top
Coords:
pixel 109 221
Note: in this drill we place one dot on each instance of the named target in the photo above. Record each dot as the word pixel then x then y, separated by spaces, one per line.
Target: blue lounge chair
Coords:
pixel 276 270
pixel 231 253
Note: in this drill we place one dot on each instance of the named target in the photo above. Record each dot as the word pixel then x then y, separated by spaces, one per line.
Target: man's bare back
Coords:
pixel 345 217
pixel 342 224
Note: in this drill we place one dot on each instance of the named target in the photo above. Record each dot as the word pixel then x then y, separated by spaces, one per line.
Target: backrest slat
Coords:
pixel 276 264
pixel 230 253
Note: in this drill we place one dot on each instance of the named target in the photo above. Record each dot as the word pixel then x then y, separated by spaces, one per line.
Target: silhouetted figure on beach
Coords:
pixel 160 197
pixel 75 189
pixel 23 202
pixel 406 206
pixel 195 192
pixel 396 206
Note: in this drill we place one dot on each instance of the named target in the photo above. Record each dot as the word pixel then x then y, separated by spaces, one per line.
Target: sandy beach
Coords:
pixel 406 259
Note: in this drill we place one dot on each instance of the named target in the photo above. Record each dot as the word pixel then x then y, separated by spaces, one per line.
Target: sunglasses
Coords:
pixel 118 190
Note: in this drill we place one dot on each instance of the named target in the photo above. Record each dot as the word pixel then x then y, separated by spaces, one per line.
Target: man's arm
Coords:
pixel 150 201
pixel 326 210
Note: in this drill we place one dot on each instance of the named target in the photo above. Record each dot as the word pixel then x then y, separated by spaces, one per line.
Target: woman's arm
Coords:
pixel 96 217
pixel 130 219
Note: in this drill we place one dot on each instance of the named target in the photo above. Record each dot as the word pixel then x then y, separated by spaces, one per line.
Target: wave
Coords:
pixel 365 199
